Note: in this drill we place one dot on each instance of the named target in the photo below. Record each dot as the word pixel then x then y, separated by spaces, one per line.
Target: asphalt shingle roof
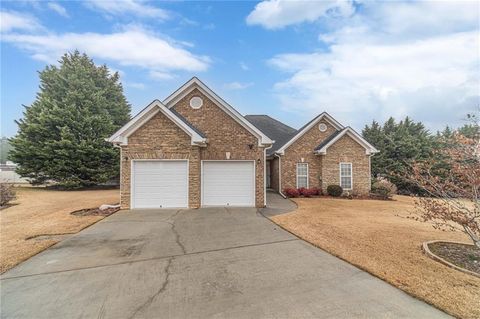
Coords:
pixel 328 139
pixel 275 130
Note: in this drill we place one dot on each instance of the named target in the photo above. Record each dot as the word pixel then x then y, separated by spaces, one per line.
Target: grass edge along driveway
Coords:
pixel 38 212
pixel 377 237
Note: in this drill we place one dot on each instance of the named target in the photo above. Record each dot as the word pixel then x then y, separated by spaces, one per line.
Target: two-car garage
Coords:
pixel 165 183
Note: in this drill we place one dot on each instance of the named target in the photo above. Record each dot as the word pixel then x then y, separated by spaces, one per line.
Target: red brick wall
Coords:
pixel 324 169
pixel 348 151
pixel 303 148
pixel 224 134
pixel 160 138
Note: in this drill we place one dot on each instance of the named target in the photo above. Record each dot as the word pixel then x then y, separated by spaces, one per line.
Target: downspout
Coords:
pixel 280 175
pixel 120 180
pixel 265 174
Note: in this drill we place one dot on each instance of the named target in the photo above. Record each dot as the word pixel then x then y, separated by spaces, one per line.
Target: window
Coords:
pixel 346 175
pixel 302 175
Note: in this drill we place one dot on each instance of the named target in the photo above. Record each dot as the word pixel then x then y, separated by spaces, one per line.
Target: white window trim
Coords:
pixel 296 173
pixel 351 175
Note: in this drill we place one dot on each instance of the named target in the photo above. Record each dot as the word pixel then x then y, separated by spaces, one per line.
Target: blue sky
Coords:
pixel 358 60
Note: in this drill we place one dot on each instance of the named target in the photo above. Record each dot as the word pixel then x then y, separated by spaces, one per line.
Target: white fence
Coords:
pixel 11 177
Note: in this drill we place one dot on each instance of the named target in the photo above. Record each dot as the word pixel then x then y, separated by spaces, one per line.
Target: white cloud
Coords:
pixel 244 66
pixel 160 75
pixel 390 60
pixel 11 20
pixel 138 8
pixel 237 85
pixel 438 74
pixel 422 18
pixel 130 47
pixel 58 9
pixel 276 14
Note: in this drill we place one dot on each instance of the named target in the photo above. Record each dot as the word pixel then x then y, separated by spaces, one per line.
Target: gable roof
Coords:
pixel 180 116
pixel 121 136
pixel 328 140
pixel 195 83
pixel 322 148
pixel 300 132
pixel 273 128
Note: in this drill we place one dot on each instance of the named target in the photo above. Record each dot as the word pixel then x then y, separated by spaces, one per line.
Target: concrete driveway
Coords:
pixel 206 263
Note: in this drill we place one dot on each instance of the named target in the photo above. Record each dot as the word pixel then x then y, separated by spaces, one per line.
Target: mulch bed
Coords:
pixel 461 255
pixel 95 212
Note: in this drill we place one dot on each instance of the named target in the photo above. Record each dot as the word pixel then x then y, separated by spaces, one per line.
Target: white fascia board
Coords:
pixel 369 148
pixel 323 115
pixel 117 136
pixel 121 136
pixel 196 138
pixel 227 108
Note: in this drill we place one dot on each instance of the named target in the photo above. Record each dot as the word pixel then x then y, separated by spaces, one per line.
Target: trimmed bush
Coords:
pixel 334 190
pixel 309 192
pixel 7 193
pixel 383 189
pixel 301 190
pixel 291 192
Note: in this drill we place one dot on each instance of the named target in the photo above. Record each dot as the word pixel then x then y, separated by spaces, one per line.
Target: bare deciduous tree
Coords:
pixel 451 180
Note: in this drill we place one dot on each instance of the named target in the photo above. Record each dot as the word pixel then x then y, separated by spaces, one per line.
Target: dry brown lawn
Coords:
pixel 375 236
pixel 37 212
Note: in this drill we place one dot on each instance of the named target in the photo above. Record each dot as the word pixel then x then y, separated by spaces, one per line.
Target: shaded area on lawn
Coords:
pixel 376 236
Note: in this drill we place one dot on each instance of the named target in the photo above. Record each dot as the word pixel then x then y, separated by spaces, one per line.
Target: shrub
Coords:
pixel 308 192
pixel 291 192
pixel 302 190
pixel 334 190
pixel 7 193
pixel 383 189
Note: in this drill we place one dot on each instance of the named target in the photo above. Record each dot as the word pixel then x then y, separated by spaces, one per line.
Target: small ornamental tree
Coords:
pixel 61 137
pixel 451 178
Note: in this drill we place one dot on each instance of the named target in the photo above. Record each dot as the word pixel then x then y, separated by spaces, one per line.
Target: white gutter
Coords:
pixel 280 175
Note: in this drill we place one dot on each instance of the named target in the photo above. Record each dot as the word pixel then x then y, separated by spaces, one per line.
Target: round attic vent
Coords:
pixel 196 102
pixel 322 127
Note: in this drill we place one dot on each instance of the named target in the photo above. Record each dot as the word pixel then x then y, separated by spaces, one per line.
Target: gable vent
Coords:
pixel 196 102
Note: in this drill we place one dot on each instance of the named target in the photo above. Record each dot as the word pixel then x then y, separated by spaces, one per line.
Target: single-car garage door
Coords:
pixel 159 184
pixel 228 183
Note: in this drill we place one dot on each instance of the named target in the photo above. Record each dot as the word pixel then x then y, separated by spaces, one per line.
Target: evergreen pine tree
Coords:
pixel 399 144
pixel 61 137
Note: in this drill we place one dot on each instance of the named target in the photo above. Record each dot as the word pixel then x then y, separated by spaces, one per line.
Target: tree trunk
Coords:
pixel 475 238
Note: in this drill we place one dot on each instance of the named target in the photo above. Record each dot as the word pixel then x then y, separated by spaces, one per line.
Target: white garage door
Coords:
pixel 159 184
pixel 228 183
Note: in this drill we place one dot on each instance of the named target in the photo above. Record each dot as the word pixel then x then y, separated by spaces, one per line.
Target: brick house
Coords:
pixel 194 149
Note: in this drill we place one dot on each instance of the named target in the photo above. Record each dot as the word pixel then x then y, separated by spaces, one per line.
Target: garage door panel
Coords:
pixel 159 184
pixel 228 183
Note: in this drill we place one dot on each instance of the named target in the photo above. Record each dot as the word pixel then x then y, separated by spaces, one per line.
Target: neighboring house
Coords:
pixel 193 149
